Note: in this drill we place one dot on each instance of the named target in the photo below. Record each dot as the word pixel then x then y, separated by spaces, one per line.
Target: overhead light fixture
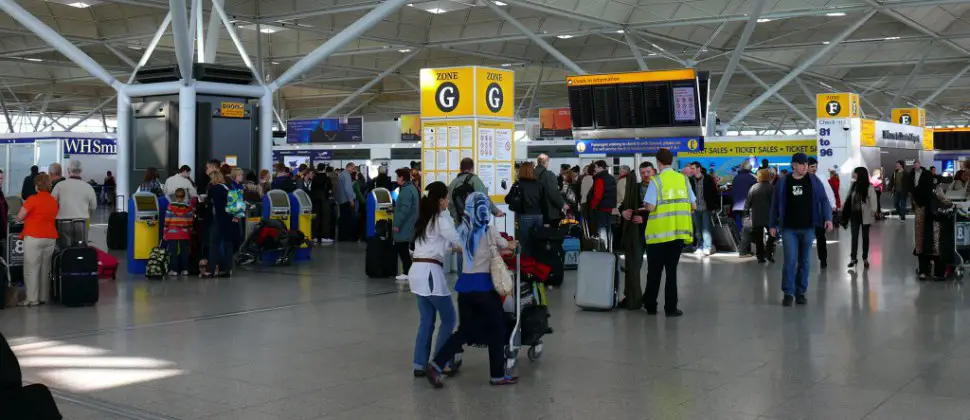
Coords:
pixel 264 28
pixel 436 10
pixel 763 20
pixel 79 5
pixel 274 63
pixel 410 4
pixel 835 14
pixel 891 38
pixel 36 60
pixel 404 50
pixel 268 30
pixel 703 49
pixel 652 54
pixel 564 36
pixel 826 43
pixel 507 65
pixel 501 3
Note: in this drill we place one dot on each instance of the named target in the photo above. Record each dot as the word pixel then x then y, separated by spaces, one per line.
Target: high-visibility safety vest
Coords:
pixel 670 220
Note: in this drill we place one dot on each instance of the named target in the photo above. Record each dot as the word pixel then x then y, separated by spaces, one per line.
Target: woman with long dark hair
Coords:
pixel 435 238
pixel 928 199
pixel 860 210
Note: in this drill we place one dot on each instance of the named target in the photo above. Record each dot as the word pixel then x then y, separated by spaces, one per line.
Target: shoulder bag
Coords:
pixel 501 278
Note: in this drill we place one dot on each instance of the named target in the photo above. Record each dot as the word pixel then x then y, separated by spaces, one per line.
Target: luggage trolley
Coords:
pixel 515 337
pixel 961 236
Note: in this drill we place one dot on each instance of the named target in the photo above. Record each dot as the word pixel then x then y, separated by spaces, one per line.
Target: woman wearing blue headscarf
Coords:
pixel 479 306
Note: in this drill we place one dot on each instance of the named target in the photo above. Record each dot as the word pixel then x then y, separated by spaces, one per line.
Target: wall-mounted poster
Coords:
pixel 555 123
pixel 410 128
pixel 328 130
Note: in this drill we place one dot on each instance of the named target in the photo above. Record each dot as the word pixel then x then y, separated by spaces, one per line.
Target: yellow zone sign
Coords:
pixel 754 148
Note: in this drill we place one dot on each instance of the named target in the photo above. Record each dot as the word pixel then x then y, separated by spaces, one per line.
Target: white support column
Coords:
pixel 123 168
pixel 573 67
pixel 266 130
pixel 57 41
pixel 199 34
pixel 183 45
pixel 187 125
pixel 367 86
pixel 194 9
pixel 336 42
pixel 795 72
pixel 6 114
pixel 637 54
pixel 733 64
pixel 212 34
pixel 124 57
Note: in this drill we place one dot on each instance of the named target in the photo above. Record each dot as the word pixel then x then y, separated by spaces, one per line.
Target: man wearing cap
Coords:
pixel 820 244
pixel 799 205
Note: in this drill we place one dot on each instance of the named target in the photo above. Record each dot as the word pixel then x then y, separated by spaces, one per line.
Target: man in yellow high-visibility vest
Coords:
pixel 670 201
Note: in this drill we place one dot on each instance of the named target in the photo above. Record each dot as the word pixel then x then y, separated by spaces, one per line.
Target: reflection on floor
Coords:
pixel 321 341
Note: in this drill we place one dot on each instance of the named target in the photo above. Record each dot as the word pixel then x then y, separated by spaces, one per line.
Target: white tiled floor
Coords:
pixel 321 341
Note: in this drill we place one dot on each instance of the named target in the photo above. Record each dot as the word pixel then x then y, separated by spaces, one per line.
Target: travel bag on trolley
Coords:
pixel 527 312
pixel 74 269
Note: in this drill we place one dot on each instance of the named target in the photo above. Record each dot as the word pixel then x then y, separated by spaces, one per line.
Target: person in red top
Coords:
pixel 835 183
pixel 602 201
pixel 178 231
pixel 39 234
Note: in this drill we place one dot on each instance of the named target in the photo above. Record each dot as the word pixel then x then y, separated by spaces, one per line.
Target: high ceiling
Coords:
pixel 903 53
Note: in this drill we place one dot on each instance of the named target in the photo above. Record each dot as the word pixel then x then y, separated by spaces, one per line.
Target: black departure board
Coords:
pixel 656 100
pixel 606 113
pixel 630 102
pixel 581 106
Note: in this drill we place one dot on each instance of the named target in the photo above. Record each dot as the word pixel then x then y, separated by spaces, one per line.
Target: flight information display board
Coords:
pixel 641 100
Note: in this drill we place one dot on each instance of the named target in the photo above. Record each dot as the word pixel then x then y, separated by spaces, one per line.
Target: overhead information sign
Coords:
pixel 631 146
pixel 754 148
pixel 448 92
pixel 494 89
pixel 837 105
pixel 635 77
pixel 909 116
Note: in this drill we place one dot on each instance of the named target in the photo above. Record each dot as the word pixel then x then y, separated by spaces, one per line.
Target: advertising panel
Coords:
pixel 410 128
pixel 762 148
pixel 555 123
pixel 329 130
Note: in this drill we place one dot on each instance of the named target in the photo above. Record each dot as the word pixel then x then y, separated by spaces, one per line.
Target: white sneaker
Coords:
pixel 401 277
pixel 326 241
pixel 185 272
pixel 707 253
pixel 172 273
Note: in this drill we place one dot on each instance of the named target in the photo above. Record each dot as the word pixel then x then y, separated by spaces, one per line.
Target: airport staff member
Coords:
pixel 670 201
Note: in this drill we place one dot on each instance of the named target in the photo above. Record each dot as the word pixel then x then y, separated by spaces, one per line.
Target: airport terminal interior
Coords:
pixel 125 95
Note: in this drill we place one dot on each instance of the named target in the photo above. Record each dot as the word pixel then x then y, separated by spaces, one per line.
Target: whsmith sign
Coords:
pixel 90 147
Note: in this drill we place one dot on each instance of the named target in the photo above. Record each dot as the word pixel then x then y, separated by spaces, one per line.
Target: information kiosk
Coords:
pixel 301 209
pixel 276 205
pixel 144 228
pixel 379 204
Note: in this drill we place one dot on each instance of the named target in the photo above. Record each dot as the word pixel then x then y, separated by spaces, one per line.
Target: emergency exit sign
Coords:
pixel 233 110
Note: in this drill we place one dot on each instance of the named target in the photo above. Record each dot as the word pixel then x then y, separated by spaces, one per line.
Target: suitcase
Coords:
pixel 725 235
pixel 74 273
pixel 118 230
pixel 596 281
pixel 571 248
pixel 107 265
pixel 548 245
pixel 381 258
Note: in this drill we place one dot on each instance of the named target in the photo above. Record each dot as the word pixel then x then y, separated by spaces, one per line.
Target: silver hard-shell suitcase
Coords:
pixel 596 288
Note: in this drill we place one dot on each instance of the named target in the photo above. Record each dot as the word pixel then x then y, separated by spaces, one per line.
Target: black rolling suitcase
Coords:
pixel 381 260
pixel 725 234
pixel 118 228
pixel 74 276
pixel 547 242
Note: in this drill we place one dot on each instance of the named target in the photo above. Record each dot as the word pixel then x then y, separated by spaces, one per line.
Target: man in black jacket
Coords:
pixel 708 200
pixel 553 202
pixel 28 188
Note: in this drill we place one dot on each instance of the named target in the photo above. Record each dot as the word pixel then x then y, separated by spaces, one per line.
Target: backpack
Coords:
pixel 157 266
pixel 235 204
pixel 514 198
pixel 461 193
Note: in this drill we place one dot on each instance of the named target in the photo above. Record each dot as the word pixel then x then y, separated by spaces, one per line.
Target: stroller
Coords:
pixel 270 239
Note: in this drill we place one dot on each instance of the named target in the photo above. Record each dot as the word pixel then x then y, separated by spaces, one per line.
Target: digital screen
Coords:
pixel 684 104
pixel 656 101
pixel 327 130
pixel 279 199
pixel 146 203
pixel 294 161
pixel 382 195
pixel 581 106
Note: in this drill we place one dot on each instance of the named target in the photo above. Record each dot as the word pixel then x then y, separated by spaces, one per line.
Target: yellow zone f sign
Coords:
pixel 233 110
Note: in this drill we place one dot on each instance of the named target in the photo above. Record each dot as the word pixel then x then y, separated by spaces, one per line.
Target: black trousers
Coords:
pixel 482 321
pixel 347 223
pixel 662 257
pixel 763 250
pixel 404 252
pixel 855 225
pixel 318 221
pixel 820 245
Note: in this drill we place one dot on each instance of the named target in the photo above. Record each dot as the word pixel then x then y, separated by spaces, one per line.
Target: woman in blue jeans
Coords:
pixel 435 238
pixel 527 204
pixel 224 232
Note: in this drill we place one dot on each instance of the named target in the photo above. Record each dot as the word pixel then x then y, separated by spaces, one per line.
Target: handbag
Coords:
pixel 501 279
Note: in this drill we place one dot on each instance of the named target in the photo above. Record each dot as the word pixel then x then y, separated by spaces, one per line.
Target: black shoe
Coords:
pixel 939 278
pixel 761 260
pixel 419 373
pixel 853 263
pixel 771 259
pixel 674 313
pixel 622 304
pixel 787 301
pixel 650 311
pixel 865 263
pixel 800 299
pixel 823 264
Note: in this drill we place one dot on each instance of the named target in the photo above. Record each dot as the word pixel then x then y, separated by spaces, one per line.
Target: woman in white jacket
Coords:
pixel 860 209
pixel 435 238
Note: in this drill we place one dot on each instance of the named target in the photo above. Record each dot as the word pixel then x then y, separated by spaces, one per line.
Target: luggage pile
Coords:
pixel 74 269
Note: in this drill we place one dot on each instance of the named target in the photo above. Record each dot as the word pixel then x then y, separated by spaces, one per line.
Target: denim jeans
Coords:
pixel 178 254
pixel 702 229
pixel 428 307
pixel 899 200
pixel 798 250
pixel 220 250
pixel 528 222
